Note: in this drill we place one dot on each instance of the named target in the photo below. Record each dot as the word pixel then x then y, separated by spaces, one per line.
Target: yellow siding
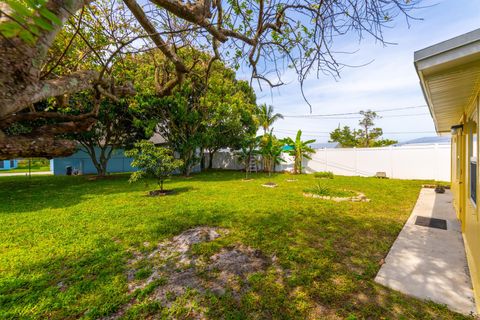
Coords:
pixel 467 211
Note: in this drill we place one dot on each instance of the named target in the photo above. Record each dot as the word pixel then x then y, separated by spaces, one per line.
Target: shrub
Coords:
pixel 323 174
pixel 152 161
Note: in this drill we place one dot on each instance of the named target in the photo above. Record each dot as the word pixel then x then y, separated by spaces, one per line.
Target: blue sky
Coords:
pixel 389 81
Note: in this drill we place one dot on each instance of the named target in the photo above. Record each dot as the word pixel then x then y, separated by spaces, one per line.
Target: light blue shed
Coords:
pixel 8 164
pixel 80 161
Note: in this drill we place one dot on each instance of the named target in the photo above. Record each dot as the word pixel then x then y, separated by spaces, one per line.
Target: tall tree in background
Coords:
pixel 346 137
pixel 299 150
pixel 367 136
pixel 208 111
pixel 231 108
pixel 267 116
pixel 263 35
pixel 116 128
pixel 181 120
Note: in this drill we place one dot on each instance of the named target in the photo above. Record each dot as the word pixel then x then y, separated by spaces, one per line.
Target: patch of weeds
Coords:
pixel 207 249
pixel 143 273
pixel 322 189
pixel 186 306
pixel 149 288
pixel 143 310
pixel 323 175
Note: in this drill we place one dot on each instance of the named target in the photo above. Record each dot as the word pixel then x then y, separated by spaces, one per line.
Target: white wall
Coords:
pixel 404 162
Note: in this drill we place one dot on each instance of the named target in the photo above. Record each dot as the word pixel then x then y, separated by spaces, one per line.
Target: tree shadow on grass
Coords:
pixel 217 175
pixel 60 287
pixel 311 247
pixel 170 192
pixel 38 193
pixel 332 260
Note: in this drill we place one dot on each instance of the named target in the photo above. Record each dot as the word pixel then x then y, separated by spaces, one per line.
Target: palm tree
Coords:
pixel 299 149
pixel 267 117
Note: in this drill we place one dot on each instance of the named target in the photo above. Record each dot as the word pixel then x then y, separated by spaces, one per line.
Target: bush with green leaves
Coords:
pixel 153 162
pixel 323 174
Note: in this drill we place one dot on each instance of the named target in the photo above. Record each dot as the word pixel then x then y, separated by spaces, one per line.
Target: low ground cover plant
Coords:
pixel 322 189
pixel 323 175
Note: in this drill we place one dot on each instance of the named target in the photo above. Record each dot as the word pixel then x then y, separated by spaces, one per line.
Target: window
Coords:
pixel 1 164
pixel 472 156
pixel 12 163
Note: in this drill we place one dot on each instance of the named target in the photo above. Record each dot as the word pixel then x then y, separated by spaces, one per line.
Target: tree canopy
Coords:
pixel 266 116
pixel 266 36
pixel 204 115
pixel 367 136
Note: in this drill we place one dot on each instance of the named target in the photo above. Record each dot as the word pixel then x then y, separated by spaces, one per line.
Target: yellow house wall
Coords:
pixel 467 211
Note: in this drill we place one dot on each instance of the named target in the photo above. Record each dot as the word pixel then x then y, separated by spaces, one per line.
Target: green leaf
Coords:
pixel 19 8
pixel 33 29
pixel 50 16
pixel 26 36
pixel 10 29
pixel 42 23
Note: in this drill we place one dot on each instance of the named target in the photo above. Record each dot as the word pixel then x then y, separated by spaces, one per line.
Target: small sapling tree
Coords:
pixel 152 162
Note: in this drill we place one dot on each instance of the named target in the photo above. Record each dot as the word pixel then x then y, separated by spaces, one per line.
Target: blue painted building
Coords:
pixel 8 164
pixel 81 162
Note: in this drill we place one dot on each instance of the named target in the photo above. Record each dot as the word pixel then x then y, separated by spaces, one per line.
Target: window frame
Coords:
pixel 472 158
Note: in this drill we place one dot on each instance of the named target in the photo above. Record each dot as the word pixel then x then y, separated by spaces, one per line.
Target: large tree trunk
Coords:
pixel 202 159
pixel 44 146
pixel 210 158
pixel 20 62
pixel 187 158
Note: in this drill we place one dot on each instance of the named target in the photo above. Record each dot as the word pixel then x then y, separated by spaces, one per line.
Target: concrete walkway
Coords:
pixel 13 174
pixel 430 263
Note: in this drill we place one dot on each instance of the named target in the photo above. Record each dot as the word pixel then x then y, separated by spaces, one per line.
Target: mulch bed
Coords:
pixel 156 193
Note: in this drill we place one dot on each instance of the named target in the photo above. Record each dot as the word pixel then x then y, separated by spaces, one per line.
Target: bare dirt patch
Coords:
pixel 174 271
pixel 269 185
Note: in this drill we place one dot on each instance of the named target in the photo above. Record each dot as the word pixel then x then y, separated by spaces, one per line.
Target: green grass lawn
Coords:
pixel 65 243
pixel 25 169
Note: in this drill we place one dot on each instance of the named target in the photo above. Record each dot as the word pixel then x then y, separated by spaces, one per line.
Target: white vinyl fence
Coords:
pixel 403 162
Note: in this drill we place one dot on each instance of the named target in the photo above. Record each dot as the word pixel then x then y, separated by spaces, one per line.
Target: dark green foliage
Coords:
pixel 367 136
pixel 117 127
pixel 152 162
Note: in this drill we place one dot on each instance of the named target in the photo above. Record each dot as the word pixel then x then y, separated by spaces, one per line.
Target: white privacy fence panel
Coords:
pixel 404 162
